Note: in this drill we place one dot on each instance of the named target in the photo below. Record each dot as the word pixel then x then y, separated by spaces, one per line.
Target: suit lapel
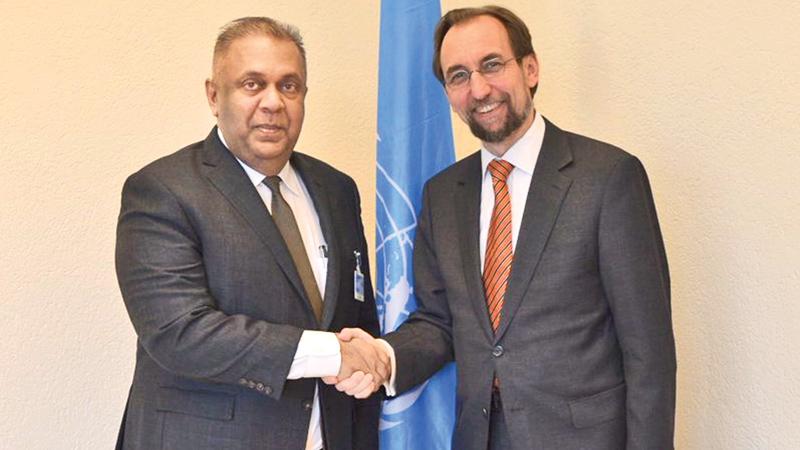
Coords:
pixel 468 209
pixel 547 191
pixel 322 205
pixel 227 175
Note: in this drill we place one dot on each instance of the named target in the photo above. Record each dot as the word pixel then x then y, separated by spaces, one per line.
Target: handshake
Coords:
pixel 366 364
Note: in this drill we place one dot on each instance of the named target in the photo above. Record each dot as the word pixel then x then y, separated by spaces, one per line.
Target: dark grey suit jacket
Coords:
pixel 585 352
pixel 219 308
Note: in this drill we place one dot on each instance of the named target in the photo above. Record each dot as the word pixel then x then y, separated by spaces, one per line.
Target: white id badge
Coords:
pixel 358 279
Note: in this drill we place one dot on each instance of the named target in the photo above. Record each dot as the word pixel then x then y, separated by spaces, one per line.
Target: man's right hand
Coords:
pixel 365 363
pixel 363 354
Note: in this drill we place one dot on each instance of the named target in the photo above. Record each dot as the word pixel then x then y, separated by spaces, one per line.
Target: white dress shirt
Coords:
pixel 523 155
pixel 317 353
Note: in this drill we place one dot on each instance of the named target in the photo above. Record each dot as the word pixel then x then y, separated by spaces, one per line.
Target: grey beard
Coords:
pixel 513 122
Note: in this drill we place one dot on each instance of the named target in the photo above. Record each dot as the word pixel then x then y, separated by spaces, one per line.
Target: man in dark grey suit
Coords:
pixel 539 268
pixel 236 257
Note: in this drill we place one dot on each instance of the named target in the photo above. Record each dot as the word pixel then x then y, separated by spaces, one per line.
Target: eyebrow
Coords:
pixel 455 68
pixel 250 74
pixel 261 76
pixel 491 56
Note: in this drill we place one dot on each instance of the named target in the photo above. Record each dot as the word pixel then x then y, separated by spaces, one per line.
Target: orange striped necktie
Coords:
pixel 499 250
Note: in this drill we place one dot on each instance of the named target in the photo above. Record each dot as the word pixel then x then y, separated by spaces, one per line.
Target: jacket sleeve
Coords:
pixel 424 343
pixel 635 278
pixel 162 277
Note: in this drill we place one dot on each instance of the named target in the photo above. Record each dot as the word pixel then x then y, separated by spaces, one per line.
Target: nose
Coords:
pixel 478 87
pixel 271 99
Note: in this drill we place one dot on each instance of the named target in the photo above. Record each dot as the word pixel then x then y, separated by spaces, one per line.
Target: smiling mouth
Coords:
pixel 268 128
pixel 487 108
pixel 268 133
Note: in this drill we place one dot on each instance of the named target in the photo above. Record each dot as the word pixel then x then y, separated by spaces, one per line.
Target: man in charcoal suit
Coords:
pixel 236 258
pixel 539 268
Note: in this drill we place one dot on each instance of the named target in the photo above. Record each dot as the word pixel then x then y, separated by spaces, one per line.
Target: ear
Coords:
pixel 530 67
pixel 211 96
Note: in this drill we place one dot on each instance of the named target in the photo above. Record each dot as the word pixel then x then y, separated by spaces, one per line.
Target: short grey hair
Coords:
pixel 248 26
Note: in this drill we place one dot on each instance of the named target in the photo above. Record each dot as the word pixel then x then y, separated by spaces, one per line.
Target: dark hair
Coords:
pixel 247 26
pixel 518 33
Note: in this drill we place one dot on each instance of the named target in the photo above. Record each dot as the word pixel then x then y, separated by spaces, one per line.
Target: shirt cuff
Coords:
pixel 389 385
pixel 318 355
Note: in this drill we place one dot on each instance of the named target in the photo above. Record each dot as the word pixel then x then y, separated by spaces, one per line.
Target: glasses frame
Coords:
pixel 484 73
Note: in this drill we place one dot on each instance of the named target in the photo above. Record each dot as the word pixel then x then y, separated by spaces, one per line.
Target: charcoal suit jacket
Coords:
pixel 584 352
pixel 219 308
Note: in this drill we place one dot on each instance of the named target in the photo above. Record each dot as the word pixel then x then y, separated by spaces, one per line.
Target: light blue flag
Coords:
pixel 415 141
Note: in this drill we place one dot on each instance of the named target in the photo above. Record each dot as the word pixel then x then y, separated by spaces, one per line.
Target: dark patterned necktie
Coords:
pixel 284 219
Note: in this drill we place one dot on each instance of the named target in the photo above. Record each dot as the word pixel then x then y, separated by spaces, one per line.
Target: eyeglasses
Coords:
pixel 490 69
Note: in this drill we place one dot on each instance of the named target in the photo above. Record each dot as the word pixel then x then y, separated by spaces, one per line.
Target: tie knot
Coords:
pixel 500 169
pixel 273 183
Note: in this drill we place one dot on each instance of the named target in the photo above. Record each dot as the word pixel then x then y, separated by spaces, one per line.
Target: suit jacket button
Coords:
pixel 307 405
pixel 242 381
pixel 497 351
pixel 251 384
pixel 268 390
pixel 260 387
pixel 485 412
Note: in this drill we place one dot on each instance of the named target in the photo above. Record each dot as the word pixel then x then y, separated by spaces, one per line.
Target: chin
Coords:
pixel 272 154
pixel 269 148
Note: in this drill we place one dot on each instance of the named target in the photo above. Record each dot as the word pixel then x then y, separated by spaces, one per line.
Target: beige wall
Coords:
pixel 707 95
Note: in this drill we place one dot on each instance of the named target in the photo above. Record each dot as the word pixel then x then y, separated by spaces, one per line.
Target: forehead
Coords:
pixel 261 54
pixel 467 43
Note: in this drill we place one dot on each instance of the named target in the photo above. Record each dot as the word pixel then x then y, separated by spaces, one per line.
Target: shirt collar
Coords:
pixel 524 153
pixel 287 174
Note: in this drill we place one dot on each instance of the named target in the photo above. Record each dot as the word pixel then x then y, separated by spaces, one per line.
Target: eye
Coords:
pixel 492 66
pixel 290 87
pixel 458 77
pixel 251 85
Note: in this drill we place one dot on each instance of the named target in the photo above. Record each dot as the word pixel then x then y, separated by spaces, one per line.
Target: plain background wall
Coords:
pixel 705 93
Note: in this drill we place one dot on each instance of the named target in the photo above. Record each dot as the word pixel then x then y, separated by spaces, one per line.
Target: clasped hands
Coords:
pixel 365 364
